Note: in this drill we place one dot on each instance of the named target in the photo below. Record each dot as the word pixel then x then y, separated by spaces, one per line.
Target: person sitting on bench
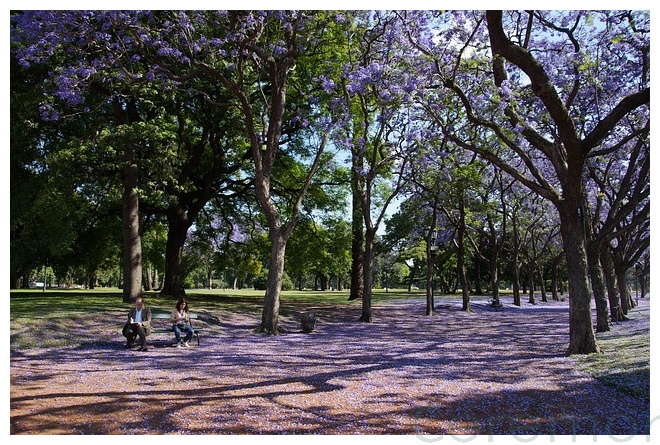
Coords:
pixel 138 324
pixel 181 323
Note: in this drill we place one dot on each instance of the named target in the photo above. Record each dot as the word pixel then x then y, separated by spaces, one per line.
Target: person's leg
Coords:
pixel 130 333
pixel 189 333
pixel 143 337
pixel 177 332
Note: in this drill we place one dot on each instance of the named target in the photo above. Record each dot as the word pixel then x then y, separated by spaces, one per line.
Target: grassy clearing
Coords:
pixel 35 304
pixel 624 362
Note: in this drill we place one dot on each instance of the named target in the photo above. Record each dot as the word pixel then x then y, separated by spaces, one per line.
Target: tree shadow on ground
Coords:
pixel 478 373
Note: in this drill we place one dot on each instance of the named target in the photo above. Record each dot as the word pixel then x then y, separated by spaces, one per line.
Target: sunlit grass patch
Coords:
pixel 26 333
pixel 624 362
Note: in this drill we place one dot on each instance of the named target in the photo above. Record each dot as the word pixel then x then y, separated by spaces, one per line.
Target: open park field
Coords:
pixel 481 373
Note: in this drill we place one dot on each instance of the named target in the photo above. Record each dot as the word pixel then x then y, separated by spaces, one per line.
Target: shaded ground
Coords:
pixel 406 373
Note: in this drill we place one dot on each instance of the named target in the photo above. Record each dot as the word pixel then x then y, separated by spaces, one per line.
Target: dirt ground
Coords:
pixel 406 373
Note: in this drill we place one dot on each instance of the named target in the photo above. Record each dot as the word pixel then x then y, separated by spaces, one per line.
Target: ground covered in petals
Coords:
pixel 406 373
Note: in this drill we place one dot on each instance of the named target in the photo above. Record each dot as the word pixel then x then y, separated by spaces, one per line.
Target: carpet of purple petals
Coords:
pixel 405 373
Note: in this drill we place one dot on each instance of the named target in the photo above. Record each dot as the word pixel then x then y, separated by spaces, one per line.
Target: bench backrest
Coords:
pixel 167 315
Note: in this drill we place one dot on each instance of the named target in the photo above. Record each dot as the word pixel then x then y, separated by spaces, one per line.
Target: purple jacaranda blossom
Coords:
pixel 48 113
pixel 327 84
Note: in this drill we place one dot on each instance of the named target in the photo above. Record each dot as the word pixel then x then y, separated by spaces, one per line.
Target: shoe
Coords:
pixel 178 345
pixel 128 345
pixel 144 349
pixel 187 344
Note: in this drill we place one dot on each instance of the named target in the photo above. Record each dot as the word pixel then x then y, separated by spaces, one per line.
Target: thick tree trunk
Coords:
pixel 598 285
pixel 132 256
pixel 177 231
pixel 582 338
pixel 624 292
pixel 15 279
pixel 271 310
pixel 610 281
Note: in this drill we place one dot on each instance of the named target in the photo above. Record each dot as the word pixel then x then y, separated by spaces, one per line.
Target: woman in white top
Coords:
pixel 181 323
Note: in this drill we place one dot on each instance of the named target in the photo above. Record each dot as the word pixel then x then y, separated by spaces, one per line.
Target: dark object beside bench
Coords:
pixel 308 322
pixel 168 329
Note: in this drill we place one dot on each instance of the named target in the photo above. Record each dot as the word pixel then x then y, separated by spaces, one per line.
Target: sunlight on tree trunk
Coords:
pixel 132 263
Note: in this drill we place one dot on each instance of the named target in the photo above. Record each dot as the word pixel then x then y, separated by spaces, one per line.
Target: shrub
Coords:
pixel 259 282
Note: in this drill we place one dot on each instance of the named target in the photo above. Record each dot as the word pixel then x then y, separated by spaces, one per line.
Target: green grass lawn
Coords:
pixel 55 303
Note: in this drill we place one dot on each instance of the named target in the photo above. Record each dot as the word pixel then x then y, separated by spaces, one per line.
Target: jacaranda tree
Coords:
pixel 563 85
pixel 91 71
pixel 252 55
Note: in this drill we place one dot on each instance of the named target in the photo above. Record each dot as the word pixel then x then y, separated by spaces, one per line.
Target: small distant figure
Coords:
pixel 181 323
pixel 138 324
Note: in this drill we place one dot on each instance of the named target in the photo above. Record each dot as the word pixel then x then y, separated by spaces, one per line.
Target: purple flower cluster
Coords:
pixel 362 77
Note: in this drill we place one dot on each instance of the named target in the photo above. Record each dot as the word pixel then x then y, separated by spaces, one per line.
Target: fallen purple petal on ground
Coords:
pixel 405 373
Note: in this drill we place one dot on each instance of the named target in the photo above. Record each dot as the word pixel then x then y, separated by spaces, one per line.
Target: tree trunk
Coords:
pixel 477 276
pixel 555 277
pixel 430 303
pixel 624 292
pixel 367 278
pixel 530 282
pixel 495 282
pixel 147 282
pixel 271 310
pixel 544 295
pixel 515 264
pixel 598 285
pixel 156 281
pixel 462 274
pixel 132 256
pixel 516 280
pixel 431 248
pixel 357 272
pixel 177 231
pixel 429 275
pixel 582 339
pixel 610 281
pixel 15 279
pixel 209 278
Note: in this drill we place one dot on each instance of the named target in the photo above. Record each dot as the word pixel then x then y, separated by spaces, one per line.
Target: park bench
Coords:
pixel 168 324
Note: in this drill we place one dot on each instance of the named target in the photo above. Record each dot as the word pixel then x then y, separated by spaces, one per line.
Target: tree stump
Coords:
pixel 308 322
